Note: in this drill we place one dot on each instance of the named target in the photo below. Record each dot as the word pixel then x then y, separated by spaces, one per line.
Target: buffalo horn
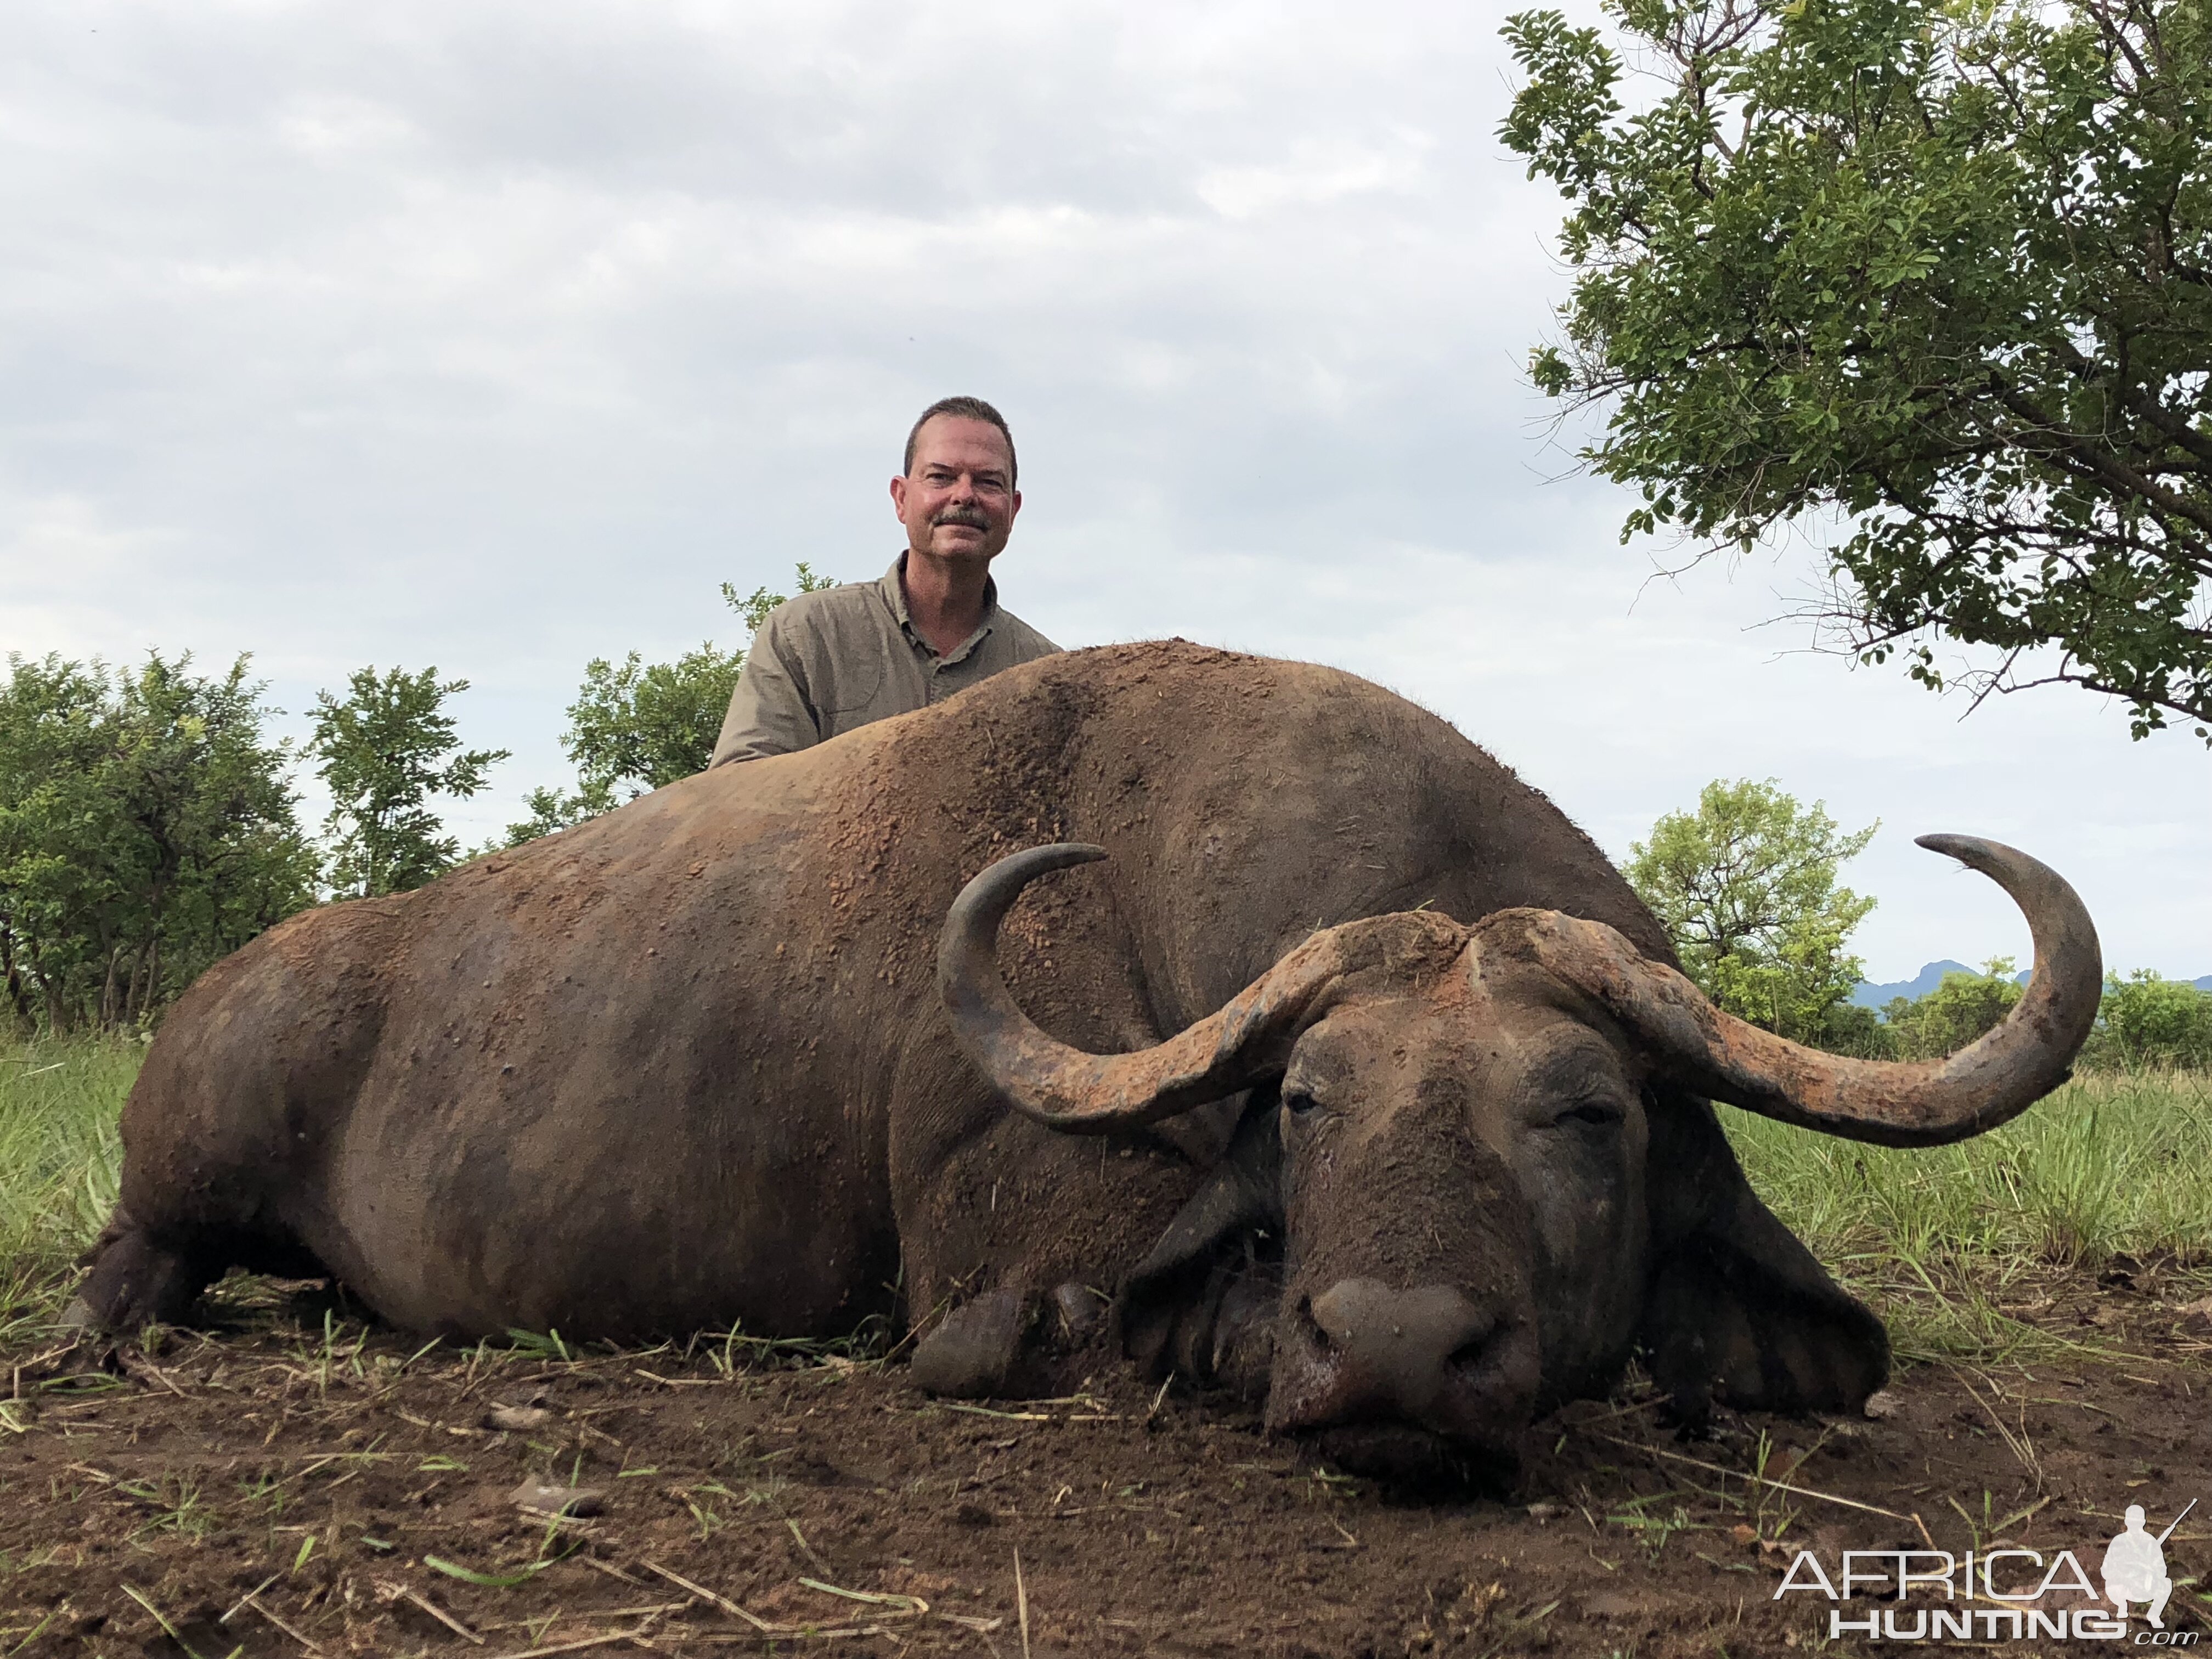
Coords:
pixel 1990 1082
pixel 1065 1088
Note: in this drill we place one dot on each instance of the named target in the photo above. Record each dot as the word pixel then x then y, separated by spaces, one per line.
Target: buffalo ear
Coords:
pixel 1170 1307
pixel 1738 1310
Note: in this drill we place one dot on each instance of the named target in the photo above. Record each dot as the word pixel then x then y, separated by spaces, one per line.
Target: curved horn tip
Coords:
pixel 1970 850
pixel 1031 862
pixel 1952 844
pixel 991 892
pixel 1985 1084
pixel 1060 854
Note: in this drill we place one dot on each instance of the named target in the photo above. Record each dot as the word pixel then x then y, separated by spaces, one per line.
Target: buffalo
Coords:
pixel 1335 1067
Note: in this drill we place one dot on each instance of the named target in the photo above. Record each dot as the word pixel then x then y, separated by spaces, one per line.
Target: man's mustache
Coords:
pixel 965 515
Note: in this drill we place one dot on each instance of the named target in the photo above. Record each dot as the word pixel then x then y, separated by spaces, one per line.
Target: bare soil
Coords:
pixel 296 1482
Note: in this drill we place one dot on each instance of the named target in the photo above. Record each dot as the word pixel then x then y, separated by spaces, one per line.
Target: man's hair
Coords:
pixel 966 409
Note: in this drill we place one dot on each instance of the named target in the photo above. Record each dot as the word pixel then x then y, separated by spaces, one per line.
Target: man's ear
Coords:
pixel 1738 1310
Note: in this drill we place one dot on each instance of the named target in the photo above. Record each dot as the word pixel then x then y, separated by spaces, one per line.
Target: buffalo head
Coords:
pixel 1478 1169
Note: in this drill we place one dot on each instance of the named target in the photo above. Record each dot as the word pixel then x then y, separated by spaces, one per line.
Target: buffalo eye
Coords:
pixel 1298 1102
pixel 1594 1114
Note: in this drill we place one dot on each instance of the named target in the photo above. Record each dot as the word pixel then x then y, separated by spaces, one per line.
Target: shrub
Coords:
pixel 1848 1029
pixel 1954 1013
pixel 2147 1020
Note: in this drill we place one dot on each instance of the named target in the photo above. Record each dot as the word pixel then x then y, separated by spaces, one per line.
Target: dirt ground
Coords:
pixel 296 1483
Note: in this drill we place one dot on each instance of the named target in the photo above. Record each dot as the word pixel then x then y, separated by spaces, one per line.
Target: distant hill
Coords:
pixel 1877 996
pixel 1930 976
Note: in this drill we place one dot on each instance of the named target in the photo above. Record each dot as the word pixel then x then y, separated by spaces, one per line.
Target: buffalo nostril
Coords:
pixel 1307 1330
pixel 1399 1346
pixel 1361 1354
pixel 1474 1354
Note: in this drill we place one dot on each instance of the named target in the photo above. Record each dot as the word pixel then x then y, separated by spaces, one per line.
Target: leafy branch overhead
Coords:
pixel 1944 270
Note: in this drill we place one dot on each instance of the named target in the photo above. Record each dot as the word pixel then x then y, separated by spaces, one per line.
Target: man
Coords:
pixel 828 661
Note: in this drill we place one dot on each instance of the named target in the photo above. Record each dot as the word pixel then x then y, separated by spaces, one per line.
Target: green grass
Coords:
pixel 59 1157
pixel 2112 1165
pixel 1943 1241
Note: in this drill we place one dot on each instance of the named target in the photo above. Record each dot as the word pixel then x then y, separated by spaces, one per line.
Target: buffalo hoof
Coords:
pixel 1080 1312
pixel 136 1282
pixel 973 1353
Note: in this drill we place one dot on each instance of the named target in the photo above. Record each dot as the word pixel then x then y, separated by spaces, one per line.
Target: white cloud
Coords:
pixel 325 127
pixel 1314 175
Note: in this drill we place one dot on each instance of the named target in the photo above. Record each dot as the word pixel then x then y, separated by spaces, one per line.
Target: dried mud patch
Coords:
pixel 289 1485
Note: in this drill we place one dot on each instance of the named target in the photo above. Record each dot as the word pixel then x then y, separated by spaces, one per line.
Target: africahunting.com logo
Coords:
pixel 2005 1594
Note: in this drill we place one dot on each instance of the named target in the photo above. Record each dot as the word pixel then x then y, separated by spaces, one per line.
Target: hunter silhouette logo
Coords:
pixel 2005 1594
pixel 2135 1566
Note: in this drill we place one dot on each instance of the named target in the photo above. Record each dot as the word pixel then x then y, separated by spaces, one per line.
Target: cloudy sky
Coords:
pixel 496 337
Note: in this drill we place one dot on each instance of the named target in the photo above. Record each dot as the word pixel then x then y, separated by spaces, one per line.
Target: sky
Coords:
pixel 497 337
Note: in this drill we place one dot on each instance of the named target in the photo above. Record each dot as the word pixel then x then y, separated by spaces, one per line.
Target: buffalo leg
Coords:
pixel 135 1281
pixel 973 1353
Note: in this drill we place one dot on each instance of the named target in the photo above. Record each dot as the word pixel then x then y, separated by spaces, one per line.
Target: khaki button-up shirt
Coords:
pixel 828 661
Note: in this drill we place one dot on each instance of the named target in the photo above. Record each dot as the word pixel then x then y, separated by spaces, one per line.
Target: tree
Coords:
pixel 635 727
pixel 1848 1029
pixel 1746 886
pixel 385 748
pixel 2147 1020
pixel 54 717
pixel 1960 1008
pixel 146 828
pixel 1939 268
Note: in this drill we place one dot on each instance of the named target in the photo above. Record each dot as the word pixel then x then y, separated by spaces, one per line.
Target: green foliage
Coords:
pixel 385 748
pixel 2143 1020
pixel 1958 1010
pixel 1745 887
pixel 1848 1029
pixel 637 727
pixel 146 828
pixel 550 809
pixel 641 726
pixel 753 609
pixel 1943 269
pixel 2147 1021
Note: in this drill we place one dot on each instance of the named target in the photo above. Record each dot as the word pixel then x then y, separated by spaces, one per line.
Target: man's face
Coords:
pixel 959 500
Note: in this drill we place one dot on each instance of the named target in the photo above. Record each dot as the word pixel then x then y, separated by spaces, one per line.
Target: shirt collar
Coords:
pixel 893 587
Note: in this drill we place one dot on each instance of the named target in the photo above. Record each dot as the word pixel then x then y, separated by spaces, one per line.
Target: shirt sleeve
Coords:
pixel 769 712
pixel 1033 645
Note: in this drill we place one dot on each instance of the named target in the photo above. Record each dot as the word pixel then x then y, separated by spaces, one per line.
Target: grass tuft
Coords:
pixel 60 1160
